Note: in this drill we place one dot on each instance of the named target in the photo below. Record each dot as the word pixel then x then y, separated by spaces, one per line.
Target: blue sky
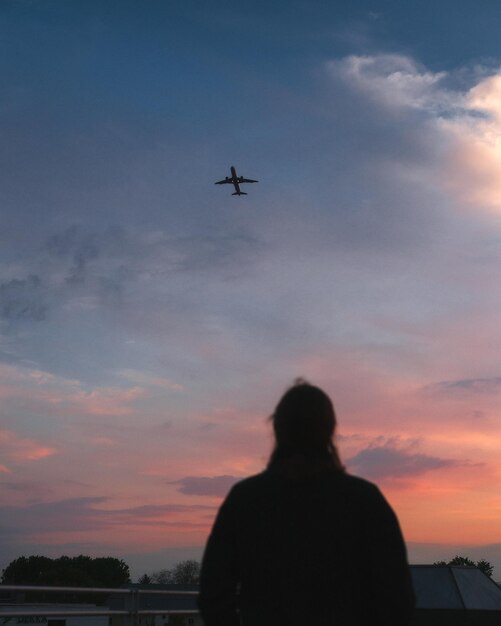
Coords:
pixel 149 321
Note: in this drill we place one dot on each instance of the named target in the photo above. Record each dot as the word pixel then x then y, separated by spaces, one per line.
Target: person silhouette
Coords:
pixel 304 543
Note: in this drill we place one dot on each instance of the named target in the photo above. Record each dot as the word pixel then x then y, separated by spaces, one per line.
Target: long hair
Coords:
pixel 304 422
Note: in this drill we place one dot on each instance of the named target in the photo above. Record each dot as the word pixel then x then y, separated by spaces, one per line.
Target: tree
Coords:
pixel 462 560
pixel 183 573
pixel 483 565
pixel 76 571
pixel 145 580
pixel 30 570
pixel 65 571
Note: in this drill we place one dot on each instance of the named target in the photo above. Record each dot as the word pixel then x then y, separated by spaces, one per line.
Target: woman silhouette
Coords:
pixel 304 543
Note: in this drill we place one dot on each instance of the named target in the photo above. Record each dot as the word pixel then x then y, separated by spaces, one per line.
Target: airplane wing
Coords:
pixel 223 182
pixel 247 180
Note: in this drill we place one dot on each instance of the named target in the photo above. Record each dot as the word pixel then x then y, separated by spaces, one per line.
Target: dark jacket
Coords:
pixel 323 550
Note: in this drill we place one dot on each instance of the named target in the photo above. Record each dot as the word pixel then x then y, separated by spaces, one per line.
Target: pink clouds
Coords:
pixel 20 449
pixel 100 402
pixel 433 445
pixel 93 520
pixel 211 486
pixel 143 378
pixel 382 462
pixel 426 463
pixel 65 396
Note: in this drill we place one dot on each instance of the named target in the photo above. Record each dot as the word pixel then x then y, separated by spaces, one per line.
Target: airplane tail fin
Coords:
pixel 239 193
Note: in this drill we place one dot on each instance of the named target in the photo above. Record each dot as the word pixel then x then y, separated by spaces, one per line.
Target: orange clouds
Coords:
pixel 20 449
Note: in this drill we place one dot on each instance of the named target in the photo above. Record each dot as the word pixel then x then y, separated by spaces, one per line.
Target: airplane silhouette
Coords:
pixel 236 181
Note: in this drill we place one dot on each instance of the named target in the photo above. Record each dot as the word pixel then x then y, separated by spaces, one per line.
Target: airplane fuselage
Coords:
pixel 235 181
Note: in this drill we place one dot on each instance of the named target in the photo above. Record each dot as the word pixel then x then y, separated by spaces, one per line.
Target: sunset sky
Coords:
pixel 150 321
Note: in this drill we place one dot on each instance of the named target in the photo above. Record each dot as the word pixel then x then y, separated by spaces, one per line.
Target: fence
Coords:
pixel 131 614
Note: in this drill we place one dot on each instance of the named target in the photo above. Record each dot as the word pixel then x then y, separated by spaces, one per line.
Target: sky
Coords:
pixel 150 321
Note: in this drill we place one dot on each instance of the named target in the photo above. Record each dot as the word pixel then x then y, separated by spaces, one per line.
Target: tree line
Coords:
pixel 85 571
pixel 483 565
pixel 66 571
pixel 183 573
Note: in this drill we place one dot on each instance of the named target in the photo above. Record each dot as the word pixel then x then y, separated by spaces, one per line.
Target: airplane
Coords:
pixel 236 181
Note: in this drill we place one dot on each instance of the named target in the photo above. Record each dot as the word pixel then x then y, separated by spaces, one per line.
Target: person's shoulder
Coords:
pixel 361 487
pixel 358 483
pixel 366 496
pixel 257 481
pixel 256 486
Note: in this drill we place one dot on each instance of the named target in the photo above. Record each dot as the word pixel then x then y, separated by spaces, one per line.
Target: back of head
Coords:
pixel 304 422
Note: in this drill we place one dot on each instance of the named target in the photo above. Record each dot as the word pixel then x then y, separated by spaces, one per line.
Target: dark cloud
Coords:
pixel 71 514
pixel 21 299
pixel 83 515
pixel 205 485
pixel 23 528
pixel 163 515
pixel 81 247
pixel 32 489
pixel 473 385
pixel 216 251
pixel 143 254
pixel 380 462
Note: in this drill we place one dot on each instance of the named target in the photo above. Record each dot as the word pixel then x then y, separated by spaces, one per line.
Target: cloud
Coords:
pixel 79 246
pixel 147 253
pixel 21 299
pixel 63 396
pixel 395 80
pixel 149 379
pixel 206 486
pixel 379 462
pixel 467 385
pixel 32 488
pixel 224 251
pixel 147 279
pixel 100 401
pixel 462 126
pixel 21 449
pixel 159 515
pixel 90 514
pixel 76 513
pixel 475 162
